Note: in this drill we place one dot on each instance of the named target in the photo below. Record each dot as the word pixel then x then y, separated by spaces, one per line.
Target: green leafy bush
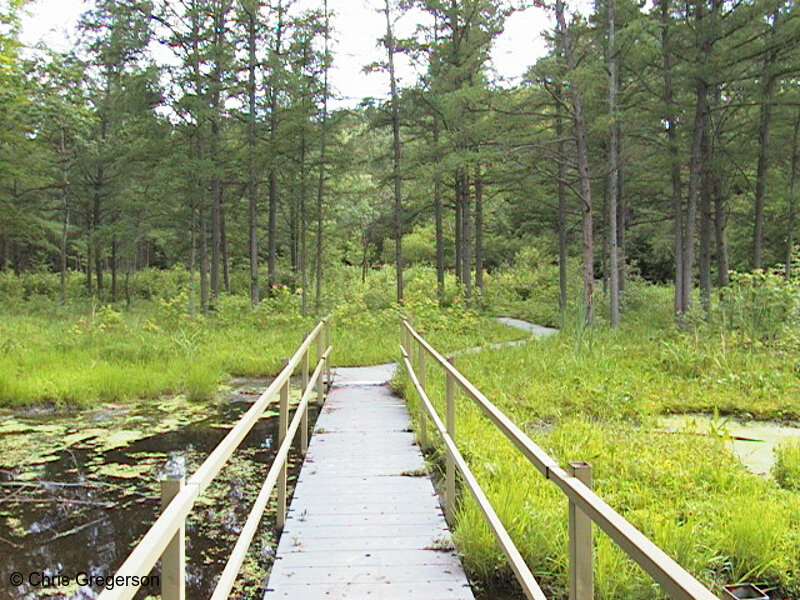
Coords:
pixel 760 304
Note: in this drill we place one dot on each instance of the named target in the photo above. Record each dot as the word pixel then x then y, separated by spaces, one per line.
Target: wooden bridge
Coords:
pixel 365 521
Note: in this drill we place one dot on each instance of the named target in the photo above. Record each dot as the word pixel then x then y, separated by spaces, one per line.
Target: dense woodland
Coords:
pixel 655 140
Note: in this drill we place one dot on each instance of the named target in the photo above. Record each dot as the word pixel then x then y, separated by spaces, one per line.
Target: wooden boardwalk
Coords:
pixel 365 521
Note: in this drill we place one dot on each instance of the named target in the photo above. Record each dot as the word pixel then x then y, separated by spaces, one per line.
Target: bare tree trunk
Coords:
pixel 272 227
pixel 695 178
pixel 64 225
pixel 792 217
pixel 478 228
pixel 204 288
pixel 114 290
pixel 226 270
pixel 457 205
pixel 4 252
pixel 721 243
pixel 674 160
pixel 251 151
pixel 322 159
pixel 763 158
pixel 301 219
pixel 437 201
pixel 216 183
pixel 583 166
pixel 562 200
pixel 613 160
pixel 720 203
pixel 704 265
pixel 466 221
pixel 398 198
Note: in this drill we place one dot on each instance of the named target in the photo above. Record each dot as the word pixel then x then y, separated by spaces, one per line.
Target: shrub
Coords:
pixel 759 304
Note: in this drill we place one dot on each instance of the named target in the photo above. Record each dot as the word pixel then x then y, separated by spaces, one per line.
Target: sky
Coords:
pixel 357 26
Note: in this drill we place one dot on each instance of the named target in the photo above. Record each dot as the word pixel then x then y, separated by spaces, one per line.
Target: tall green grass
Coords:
pixel 595 395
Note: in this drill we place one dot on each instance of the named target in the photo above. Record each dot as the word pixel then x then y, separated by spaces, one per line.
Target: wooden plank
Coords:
pixel 363 523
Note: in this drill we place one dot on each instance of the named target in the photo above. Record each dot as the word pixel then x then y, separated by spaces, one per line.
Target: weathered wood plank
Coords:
pixel 365 521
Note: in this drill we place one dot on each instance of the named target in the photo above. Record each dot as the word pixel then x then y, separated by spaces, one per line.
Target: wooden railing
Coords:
pixel 165 539
pixel 585 507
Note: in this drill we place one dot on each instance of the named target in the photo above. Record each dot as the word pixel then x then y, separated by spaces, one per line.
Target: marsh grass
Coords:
pixel 595 395
pixel 786 469
pixel 87 354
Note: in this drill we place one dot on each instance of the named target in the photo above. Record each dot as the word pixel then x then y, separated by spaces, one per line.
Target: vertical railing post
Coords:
pixel 406 337
pixel 327 328
pixel 581 563
pixel 450 463
pixel 320 350
pixel 423 424
pixel 283 424
pixel 304 418
pixel 173 561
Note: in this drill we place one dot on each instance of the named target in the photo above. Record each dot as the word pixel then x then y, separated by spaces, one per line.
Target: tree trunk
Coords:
pixel 114 290
pixel 792 217
pixel 398 199
pixel 459 228
pixel 301 219
pixel 478 228
pixel 272 227
pixel 216 182
pixel 322 159
pixel 3 252
pixel 674 159
pixel 204 287
pixel 704 265
pixel 695 179
pixel 226 270
pixel 613 166
pixel 762 169
pixel 583 166
pixel 251 151
pixel 437 202
pixel 562 200
pixel 466 222
pixel 720 221
pixel 64 226
pixel 720 203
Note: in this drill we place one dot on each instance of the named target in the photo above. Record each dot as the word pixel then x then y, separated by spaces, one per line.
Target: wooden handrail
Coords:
pixel 673 578
pixel 523 573
pixel 151 547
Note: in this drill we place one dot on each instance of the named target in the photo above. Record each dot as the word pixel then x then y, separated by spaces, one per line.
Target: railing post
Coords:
pixel 283 424
pixel 304 419
pixel 450 463
pixel 327 328
pixel 320 350
pixel 423 424
pixel 173 561
pixel 581 563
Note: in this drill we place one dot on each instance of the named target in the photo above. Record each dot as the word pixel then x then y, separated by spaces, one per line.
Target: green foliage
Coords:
pixel 760 305
pixel 786 469
pixel 601 404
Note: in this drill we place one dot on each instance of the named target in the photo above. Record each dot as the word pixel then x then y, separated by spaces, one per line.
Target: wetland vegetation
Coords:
pixel 183 192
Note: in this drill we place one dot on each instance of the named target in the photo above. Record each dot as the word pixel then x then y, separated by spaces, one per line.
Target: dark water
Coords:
pixel 82 506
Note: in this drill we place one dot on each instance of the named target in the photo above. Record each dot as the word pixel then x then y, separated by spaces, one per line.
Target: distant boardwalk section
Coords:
pixel 365 521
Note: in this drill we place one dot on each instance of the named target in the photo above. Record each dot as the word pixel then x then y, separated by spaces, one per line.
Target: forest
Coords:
pixel 185 191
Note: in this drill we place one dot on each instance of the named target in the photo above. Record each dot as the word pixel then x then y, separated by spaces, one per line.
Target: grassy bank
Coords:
pixel 86 353
pixel 595 395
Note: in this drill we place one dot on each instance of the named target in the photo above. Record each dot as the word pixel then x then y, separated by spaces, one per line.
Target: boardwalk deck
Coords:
pixel 363 523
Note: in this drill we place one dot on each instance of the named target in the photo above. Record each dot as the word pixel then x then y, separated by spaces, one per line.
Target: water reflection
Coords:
pixel 77 490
